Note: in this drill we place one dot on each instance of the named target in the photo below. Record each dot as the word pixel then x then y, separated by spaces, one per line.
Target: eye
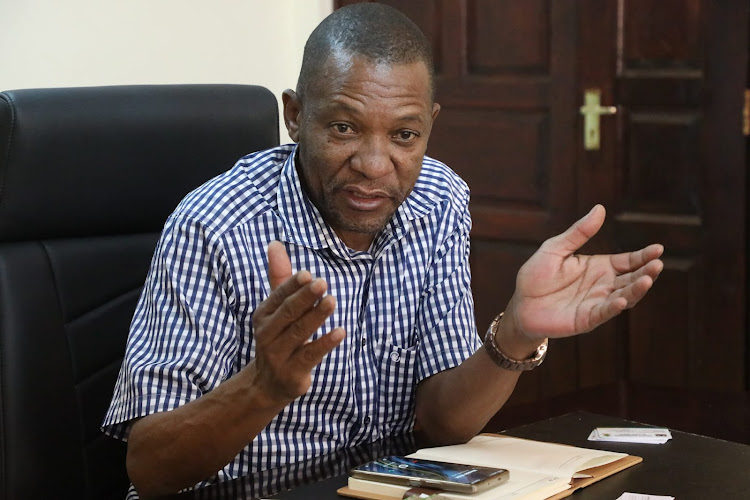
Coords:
pixel 342 128
pixel 406 135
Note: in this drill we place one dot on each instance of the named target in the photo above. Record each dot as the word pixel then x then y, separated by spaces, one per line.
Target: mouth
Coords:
pixel 365 200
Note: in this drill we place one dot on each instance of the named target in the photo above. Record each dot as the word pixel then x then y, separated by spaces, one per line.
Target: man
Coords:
pixel 318 296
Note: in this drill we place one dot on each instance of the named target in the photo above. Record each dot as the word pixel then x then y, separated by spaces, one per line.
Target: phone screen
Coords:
pixel 431 472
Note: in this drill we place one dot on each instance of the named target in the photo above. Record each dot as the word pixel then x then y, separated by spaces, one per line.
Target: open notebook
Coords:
pixel 538 470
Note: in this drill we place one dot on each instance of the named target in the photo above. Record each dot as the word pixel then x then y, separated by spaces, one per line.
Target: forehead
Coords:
pixel 359 78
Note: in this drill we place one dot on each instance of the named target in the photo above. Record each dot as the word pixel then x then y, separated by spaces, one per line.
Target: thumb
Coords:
pixel 279 265
pixel 579 233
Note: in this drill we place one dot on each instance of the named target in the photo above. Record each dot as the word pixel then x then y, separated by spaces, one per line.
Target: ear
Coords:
pixel 292 109
pixel 435 111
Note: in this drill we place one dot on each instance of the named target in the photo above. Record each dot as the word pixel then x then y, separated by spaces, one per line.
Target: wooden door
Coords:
pixel 671 169
pixel 511 76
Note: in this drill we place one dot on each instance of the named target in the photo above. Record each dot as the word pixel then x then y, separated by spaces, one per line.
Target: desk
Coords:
pixel 687 467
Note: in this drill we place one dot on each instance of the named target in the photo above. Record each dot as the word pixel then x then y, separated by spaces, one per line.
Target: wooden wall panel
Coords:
pixel 661 34
pixel 521 47
pixel 662 171
pixel 517 170
pixel 663 324
pixel 601 356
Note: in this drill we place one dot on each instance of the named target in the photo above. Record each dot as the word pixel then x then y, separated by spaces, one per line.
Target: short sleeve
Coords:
pixel 182 340
pixel 448 332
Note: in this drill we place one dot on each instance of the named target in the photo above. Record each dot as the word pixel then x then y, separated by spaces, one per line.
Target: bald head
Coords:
pixel 375 32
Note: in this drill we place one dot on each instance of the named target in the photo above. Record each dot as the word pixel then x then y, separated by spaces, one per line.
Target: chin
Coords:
pixel 363 229
pixel 355 222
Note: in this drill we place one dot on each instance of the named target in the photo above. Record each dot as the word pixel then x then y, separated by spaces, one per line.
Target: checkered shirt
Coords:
pixel 406 305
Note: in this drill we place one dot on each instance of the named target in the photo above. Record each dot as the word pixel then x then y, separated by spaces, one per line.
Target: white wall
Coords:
pixel 62 43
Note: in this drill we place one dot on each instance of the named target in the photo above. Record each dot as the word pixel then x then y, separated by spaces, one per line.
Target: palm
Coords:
pixel 559 293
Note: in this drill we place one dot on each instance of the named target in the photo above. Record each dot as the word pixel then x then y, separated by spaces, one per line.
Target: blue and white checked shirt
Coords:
pixel 406 305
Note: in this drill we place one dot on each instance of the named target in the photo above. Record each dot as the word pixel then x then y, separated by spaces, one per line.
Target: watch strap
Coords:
pixel 506 362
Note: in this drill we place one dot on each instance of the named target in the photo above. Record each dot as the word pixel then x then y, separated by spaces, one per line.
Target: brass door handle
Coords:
pixel 591 111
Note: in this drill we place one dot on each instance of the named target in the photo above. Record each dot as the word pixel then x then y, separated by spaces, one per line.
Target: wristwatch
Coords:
pixel 506 362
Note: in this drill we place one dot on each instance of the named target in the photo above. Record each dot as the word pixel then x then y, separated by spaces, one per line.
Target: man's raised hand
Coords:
pixel 283 324
pixel 559 293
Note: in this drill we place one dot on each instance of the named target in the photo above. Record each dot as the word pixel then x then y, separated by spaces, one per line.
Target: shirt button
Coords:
pixel 395 356
pixel 367 420
pixel 364 342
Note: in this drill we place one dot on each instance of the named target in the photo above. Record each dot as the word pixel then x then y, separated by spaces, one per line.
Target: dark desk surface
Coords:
pixel 686 467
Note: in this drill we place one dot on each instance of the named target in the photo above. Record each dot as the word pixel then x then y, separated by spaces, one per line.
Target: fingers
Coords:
pixel 279 265
pixel 578 234
pixel 283 291
pixel 631 261
pixel 311 354
pixel 606 311
pixel 652 269
pixel 295 308
pixel 618 301
pixel 634 292
pixel 628 296
pixel 630 288
pixel 285 377
pixel 283 284
pixel 301 314
pixel 292 297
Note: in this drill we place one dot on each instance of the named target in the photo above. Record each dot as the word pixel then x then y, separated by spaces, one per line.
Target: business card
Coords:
pixel 641 496
pixel 647 435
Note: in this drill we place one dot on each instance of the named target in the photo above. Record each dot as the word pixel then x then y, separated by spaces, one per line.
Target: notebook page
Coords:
pixel 521 454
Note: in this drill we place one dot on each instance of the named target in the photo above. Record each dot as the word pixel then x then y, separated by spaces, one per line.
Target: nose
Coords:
pixel 372 158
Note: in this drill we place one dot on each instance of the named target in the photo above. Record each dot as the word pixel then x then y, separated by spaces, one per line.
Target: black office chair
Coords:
pixel 87 179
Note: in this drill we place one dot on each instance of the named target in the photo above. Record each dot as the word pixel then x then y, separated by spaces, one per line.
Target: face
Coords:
pixel 362 135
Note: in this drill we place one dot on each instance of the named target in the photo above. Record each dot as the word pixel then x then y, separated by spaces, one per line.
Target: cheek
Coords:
pixel 333 156
pixel 411 166
pixel 323 162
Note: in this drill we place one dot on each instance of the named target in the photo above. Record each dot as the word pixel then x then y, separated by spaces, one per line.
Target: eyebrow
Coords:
pixel 341 106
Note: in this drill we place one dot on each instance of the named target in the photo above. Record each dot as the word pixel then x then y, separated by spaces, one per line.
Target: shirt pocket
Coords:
pixel 397 386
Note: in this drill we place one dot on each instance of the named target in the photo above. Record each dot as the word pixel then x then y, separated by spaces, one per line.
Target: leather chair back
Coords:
pixel 87 179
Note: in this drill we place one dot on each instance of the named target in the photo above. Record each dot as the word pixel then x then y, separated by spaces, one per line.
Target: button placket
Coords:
pixel 365 303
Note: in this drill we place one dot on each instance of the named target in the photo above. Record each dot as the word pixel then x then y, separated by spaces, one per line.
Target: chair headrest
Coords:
pixel 92 161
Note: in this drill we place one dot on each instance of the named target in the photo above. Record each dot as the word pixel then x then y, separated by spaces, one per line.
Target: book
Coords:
pixel 538 470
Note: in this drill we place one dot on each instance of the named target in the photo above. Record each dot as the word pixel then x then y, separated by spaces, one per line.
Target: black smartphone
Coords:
pixel 446 476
